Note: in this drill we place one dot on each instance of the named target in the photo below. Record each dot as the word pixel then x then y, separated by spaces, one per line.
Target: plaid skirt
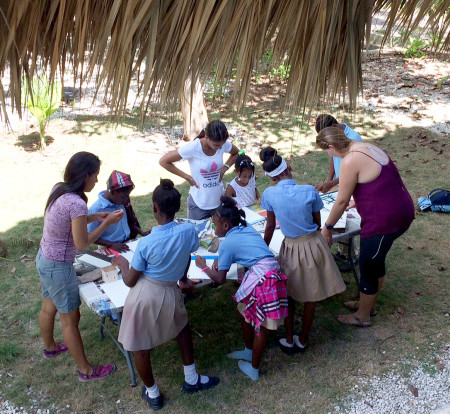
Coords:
pixel 153 314
pixel 310 268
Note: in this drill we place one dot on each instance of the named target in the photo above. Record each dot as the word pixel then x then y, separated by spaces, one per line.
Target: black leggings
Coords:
pixel 372 257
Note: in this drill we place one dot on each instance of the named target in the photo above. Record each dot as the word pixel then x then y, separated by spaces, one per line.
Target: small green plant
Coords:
pixel 443 80
pixel 415 48
pixel 281 71
pixel 42 100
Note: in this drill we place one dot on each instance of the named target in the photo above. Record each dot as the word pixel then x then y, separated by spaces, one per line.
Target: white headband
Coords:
pixel 278 170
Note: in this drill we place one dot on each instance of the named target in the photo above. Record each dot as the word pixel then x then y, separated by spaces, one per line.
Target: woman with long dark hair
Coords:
pixel 65 232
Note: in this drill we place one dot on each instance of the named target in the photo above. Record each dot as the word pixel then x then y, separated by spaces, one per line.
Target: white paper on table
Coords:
pixel 130 253
pixel 90 293
pixel 275 243
pixel 325 213
pixel 251 217
pixel 117 291
pixel 195 272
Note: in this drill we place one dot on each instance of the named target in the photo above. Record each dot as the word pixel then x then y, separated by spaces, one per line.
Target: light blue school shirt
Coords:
pixel 165 252
pixel 116 233
pixel 243 245
pixel 350 134
pixel 293 206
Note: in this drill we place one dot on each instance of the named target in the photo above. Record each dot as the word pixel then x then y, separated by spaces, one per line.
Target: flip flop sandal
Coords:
pixel 353 305
pixel 355 321
pixel 60 348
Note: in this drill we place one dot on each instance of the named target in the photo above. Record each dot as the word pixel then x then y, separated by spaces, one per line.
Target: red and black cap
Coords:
pixel 118 180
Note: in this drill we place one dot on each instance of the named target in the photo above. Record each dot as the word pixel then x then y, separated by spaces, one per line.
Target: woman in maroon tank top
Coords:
pixel 385 207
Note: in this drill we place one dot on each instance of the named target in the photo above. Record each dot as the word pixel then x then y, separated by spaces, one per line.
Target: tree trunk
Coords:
pixel 194 115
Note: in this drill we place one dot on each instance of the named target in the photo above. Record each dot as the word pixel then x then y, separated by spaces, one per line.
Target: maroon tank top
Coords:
pixel 384 204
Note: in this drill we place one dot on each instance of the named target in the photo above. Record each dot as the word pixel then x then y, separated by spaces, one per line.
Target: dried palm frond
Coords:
pixel 168 41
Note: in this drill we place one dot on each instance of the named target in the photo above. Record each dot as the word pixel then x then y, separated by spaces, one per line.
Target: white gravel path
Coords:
pixel 426 389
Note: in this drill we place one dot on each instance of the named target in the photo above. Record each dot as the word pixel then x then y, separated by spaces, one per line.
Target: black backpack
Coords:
pixel 439 197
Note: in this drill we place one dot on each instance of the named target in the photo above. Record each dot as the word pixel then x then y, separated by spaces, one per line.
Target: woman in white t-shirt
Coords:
pixel 205 157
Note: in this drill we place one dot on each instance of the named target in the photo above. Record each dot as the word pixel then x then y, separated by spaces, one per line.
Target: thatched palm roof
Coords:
pixel 165 39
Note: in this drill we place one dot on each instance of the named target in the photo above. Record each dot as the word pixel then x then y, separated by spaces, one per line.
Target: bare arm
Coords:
pixel 330 182
pixel 186 285
pixel 230 161
pixel 270 227
pixel 166 161
pixel 348 180
pixel 117 246
pixel 331 170
pixel 129 275
pixel 230 192
pixel 82 238
pixel 316 218
pixel 258 196
pixel 218 276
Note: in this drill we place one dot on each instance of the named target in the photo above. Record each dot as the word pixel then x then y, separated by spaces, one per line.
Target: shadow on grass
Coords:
pixel 32 142
pixel 415 293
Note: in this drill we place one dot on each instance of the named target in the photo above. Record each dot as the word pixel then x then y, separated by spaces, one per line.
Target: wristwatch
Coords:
pixel 328 227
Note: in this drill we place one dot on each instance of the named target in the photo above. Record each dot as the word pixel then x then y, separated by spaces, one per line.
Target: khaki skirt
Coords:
pixel 153 313
pixel 310 268
pixel 268 323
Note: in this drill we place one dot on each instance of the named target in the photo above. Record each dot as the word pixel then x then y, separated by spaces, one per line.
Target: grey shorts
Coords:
pixel 196 213
pixel 58 283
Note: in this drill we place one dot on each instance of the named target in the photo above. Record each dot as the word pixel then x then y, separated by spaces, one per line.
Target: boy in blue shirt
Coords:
pixel 324 121
pixel 117 197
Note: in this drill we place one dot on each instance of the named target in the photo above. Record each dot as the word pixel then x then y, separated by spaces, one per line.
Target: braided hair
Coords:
pixel 167 197
pixel 229 211
pixel 244 162
pixel 270 158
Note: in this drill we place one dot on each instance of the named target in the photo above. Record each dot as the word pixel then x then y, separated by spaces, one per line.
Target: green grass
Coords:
pixel 412 305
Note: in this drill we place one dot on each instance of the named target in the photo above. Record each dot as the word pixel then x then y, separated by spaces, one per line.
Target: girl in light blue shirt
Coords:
pixel 154 310
pixel 305 257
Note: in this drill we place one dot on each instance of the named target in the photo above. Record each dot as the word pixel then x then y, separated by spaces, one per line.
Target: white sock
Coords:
pixel 191 376
pixel 297 342
pixel 285 343
pixel 153 391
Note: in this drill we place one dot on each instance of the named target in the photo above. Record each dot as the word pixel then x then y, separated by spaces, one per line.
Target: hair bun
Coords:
pixel 166 183
pixel 228 202
pixel 267 153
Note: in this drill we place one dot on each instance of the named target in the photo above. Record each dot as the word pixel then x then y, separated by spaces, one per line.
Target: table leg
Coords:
pixel 125 353
pixel 102 324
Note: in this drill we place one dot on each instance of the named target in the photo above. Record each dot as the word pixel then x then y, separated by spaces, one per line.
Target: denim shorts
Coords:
pixel 194 212
pixel 58 283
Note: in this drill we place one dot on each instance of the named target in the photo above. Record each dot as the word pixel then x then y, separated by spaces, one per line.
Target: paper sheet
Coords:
pixel 251 217
pixel 325 212
pixel 130 253
pixel 275 243
pixel 196 273
pixel 90 293
pixel 117 291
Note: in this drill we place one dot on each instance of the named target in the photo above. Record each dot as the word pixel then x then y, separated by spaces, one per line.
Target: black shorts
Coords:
pixel 372 257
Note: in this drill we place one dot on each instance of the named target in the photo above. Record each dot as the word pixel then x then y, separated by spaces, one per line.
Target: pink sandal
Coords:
pixel 98 372
pixel 60 348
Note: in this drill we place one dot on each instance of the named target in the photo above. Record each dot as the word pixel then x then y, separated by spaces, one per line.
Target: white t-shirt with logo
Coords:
pixel 205 170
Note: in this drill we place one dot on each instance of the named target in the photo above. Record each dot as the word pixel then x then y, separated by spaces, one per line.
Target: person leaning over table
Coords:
pixel 385 207
pixel 324 121
pixel 205 156
pixel 65 231
pixel 117 197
